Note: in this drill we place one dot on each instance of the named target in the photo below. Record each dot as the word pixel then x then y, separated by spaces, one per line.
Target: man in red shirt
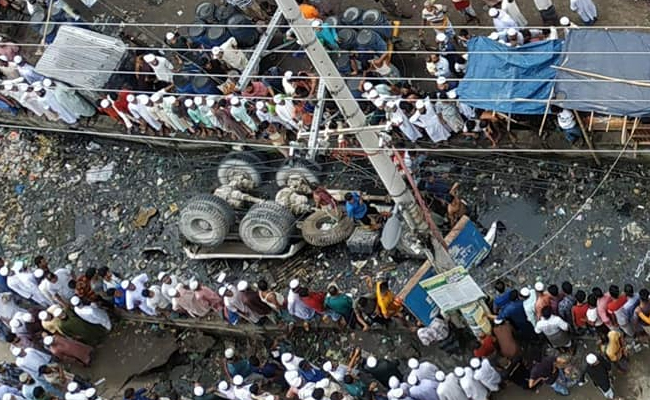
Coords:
pixel 579 312
pixel 484 348
pixel 313 300
pixel 618 301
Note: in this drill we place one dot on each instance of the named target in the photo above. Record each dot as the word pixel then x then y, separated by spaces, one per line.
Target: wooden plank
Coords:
pixel 586 137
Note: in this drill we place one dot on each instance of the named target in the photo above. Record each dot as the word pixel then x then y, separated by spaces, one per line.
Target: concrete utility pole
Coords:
pixel 350 109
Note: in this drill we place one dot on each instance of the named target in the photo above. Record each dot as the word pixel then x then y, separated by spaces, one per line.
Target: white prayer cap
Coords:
pixel 459 372
pixel 413 363
pixel 419 104
pixel 42 316
pixel 14 323
pixel 37 86
pixel 48 340
pixel 9 86
pixel 440 376
pixel 259 105
pixel 371 362
pixel 16 351
pixel 217 50
pixel 188 103
pixel 441 37
pixel 391 104
pixel 149 58
pixel 242 285
pixel 4 271
pixel 199 391
pixel 566 114
pixel 229 353
pixel 222 291
pixel 23 87
pixel 7 396
pixel 72 387
pixel 286 357
pixel 498 321
pixel 398 392
pixel 47 82
pixel 223 385
pixel 296 382
pixel 323 383
pixel 291 375
pixel 564 21
pixel 288 74
pixel 169 36
pixel 198 100
pixel 172 98
pixel 75 301
pixel 465 56
pixel 412 380
pixel 27 317
pixel 524 292
pixel 4 58
pixel 452 94
pixel 494 36
pixel 125 284
pixel 210 102
pixel 161 275
pixel 57 312
pixel 155 97
pixel 316 23
pixel 194 284
pixel 591 359
pixel 398 120
pixel 379 102
pixel 90 392
pixel 234 101
pixel 373 94
pixel 130 98
pixel 237 380
pixel 368 86
pixel 393 382
pixel 475 362
pixel 269 397
pixel 18 265
pixel 493 12
pixel 24 377
pixel 172 292
pixel 277 98
pixel 18 59
pixel 441 80
pixel 539 286
pixel 105 103
pixel 294 283
pixel 327 367
pixel 144 99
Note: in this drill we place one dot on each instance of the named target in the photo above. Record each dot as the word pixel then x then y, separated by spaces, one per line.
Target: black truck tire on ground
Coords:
pixel 300 167
pixel 238 162
pixel 267 227
pixel 313 233
pixel 206 220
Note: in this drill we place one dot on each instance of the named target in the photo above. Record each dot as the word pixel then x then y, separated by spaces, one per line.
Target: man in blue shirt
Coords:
pixel 132 394
pixel 514 312
pixel 356 208
pixel 503 297
pixel 326 34
pixel 309 373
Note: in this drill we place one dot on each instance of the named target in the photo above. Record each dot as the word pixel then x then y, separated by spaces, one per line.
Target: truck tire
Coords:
pixel 267 227
pixel 206 220
pixel 298 166
pixel 320 229
pixel 240 163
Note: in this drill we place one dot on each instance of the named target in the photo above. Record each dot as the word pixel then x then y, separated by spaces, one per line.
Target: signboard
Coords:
pixel 452 289
pixel 416 299
pixel 468 248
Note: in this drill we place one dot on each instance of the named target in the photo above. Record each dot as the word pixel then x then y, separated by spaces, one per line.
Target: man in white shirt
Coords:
pixel 422 370
pixel 55 287
pixel 225 390
pixel 449 387
pixel 335 369
pixel 501 20
pixel 91 313
pixel 295 305
pixel 473 389
pixel 133 292
pixel 30 360
pixel 569 126
pixel 438 66
pixel 485 373
pixel 167 282
pixel 422 389
pixel 241 391
pixel 232 56
pixel 27 284
pixel 554 328
pixel 155 300
pixel 161 66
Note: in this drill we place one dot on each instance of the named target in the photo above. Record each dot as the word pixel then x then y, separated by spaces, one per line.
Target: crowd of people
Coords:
pixel 276 108
pixel 52 317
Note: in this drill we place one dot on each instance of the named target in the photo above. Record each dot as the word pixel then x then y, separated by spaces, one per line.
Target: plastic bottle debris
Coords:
pixel 100 174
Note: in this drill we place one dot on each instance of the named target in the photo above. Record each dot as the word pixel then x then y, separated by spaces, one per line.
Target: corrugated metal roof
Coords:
pixel 63 60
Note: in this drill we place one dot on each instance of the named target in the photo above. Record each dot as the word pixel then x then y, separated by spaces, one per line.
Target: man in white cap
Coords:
pixel 30 360
pixel 287 84
pixel 423 389
pixel 514 38
pixel 26 284
pixel 511 7
pixel 231 55
pixel 144 110
pixel 567 122
pixel 241 391
pixel 543 299
pixel 133 292
pixel 155 299
pixel 438 65
pixel 8 307
pixel 265 111
pixel 50 102
pixel 225 390
pixel 207 297
pixel 383 369
pixel 69 99
pixel 290 361
pixel 183 300
pixel 501 20
pixel 449 387
pixel 422 370
pixel 425 117
pixel 296 306
pixel 196 115
pixel 161 66
pixel 474 390
pixel 599 370
pixel 8 69
pixel 28 98
pixel 27 70
pixel 286 111
pixel 435 15
pixel 399 120
pixel 240 114
pixel 170 106
pixel 485 373
pixel 91 313
pixel 234 304
pixel 529 297
pixel 167 281
pixel 154 107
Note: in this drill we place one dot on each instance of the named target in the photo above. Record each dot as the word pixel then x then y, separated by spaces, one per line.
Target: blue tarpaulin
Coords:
pixel 493 69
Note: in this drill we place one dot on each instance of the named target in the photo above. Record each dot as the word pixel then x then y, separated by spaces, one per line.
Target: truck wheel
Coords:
pixel 299 166
pixel 321 229
pixel 267 228
pixel 206 220
pixel 240 163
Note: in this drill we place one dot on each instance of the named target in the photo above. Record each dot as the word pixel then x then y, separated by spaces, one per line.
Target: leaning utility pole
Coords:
pixel 388 173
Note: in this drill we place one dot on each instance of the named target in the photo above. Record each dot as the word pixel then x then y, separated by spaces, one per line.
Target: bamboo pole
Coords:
pixel 586 137
pixel 591 122
pixel 548 106
pixel 609 121
pixel 623 134
pixel 603 77
pixel 508 124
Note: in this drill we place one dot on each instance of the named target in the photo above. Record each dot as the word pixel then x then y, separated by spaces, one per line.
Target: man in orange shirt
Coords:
pixel 543 299
pixel 308 11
